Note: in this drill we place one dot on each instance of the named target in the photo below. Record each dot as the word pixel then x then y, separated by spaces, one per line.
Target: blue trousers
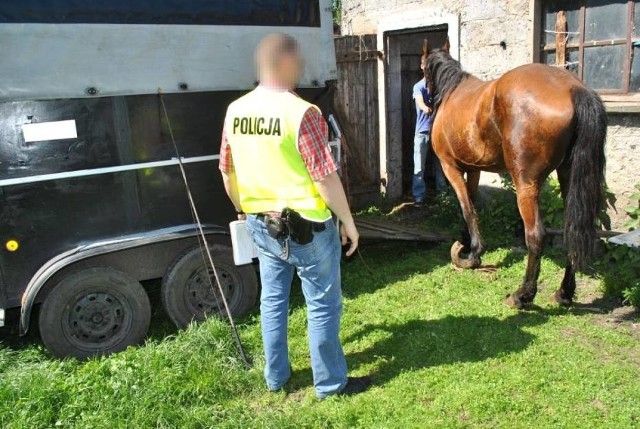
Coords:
pixel 421 147
pixel 318 266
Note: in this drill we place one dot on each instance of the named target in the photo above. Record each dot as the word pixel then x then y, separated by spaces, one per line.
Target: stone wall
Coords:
pixel 623 160
pixel 483 24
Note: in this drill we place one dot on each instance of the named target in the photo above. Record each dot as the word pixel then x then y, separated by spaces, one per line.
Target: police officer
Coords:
pixel 275 158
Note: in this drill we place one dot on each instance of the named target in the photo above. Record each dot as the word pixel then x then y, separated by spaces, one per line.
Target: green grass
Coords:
pixel 442 348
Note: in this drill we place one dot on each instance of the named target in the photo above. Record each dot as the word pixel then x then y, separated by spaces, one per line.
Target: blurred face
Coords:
pixel 291 68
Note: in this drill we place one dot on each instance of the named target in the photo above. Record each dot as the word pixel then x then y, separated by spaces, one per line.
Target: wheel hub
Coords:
pixel 202 295
pixel 97 318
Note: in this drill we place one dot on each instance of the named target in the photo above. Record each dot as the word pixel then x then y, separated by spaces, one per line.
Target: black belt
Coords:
pixel 317 226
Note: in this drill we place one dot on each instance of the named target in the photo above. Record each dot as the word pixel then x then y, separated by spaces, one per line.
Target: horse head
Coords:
pixel 441 71
pixel 428 52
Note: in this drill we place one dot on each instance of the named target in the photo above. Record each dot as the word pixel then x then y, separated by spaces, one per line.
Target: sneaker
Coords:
pixel 355 385
pixel 418 204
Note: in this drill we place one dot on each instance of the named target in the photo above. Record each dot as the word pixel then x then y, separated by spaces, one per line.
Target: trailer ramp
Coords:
pixel 379 229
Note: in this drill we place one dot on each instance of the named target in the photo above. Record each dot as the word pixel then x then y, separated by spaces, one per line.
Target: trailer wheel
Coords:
pixel 187 293
pixel 94 312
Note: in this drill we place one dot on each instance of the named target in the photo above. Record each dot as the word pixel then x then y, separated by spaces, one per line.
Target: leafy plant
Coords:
pixel 445 213
pixel 501 214
pixel 632 295
pixel 500 219
pixel 551 204
pixel 634 211
pixel 337 11
pixel 621 264
pixel 372 211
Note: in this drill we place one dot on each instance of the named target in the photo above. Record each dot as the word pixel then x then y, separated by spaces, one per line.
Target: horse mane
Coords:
pixel 444 73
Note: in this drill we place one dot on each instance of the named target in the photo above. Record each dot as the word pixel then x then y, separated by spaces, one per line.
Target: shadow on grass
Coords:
pixel 161 325
pixel 382 263
pixel 420 344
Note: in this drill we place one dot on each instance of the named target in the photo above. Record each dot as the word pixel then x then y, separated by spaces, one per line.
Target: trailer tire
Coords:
pixel 94 312
pixel 187 295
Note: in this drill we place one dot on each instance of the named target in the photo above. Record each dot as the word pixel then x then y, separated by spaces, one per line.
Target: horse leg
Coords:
pixel 527 194
pixel 462 190
pixel 564 295
pixel 473 181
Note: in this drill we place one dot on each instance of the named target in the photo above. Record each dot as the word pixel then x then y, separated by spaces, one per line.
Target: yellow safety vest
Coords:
pixel 262 129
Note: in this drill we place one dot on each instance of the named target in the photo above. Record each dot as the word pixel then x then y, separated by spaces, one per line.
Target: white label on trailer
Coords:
pixel 43 131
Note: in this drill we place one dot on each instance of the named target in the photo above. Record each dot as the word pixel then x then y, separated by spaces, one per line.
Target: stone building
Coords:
pixel 490 37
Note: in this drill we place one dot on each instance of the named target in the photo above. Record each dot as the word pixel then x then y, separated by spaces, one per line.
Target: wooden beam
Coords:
pixel 355 56
pixel 561 39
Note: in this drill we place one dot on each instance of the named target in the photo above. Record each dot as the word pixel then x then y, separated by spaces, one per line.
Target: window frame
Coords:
pixel 622 94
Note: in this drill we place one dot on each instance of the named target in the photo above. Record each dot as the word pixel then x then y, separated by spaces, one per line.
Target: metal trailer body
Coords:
pixel 88 175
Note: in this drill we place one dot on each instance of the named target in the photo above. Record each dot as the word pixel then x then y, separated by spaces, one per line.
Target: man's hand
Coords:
pixel 242 216
pixel 422 105
pixel 349 233
pixel 331 190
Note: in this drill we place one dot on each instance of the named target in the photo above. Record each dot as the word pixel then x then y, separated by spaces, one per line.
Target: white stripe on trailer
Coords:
pixel 105 170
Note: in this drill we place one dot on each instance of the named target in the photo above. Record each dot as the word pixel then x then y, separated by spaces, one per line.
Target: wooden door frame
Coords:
pixel 389 79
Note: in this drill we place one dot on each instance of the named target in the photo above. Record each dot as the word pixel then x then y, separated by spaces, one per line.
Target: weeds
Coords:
pixel 633 211
pixel 620 264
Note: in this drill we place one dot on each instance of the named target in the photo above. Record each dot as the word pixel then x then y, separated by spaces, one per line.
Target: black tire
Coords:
pixel 187 294
pixel 94 312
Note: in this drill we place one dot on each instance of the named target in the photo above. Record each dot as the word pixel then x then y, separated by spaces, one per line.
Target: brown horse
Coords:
pixel 531 121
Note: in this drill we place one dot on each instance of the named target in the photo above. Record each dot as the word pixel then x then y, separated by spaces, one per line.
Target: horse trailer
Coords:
pixel 91 198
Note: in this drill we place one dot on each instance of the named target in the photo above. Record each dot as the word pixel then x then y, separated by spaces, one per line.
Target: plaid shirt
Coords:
pixel 312 145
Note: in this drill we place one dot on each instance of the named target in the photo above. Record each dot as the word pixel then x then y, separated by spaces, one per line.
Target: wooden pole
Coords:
pixel 561 39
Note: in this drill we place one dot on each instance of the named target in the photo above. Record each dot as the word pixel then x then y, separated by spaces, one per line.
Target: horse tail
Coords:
pixel 586 161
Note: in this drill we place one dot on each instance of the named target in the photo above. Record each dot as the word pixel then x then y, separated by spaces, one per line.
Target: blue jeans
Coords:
pixel 421 146
pixel 318 266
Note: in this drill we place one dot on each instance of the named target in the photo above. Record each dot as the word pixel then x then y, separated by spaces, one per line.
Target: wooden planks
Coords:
pixel 386 230
pixel 356 104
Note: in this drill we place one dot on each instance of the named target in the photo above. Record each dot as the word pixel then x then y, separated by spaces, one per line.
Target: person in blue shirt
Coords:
pixel 421 142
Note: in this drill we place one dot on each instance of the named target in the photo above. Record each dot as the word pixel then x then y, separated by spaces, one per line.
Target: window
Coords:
pixel 300 13
pixel 600 41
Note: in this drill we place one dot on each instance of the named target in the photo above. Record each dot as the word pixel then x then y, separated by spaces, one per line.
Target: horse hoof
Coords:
pixel 461 262
pixel 560 300
pixel 516 303
pixel 513 302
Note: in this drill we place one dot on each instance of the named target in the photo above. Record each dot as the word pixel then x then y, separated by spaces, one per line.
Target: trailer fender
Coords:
pixel 102 247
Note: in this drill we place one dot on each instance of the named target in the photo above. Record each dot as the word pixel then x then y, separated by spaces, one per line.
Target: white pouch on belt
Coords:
pixel 243 248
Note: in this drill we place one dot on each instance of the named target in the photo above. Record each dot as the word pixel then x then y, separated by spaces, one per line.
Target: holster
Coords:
pixel 300 229
pixel 291 224
pixel 276 227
